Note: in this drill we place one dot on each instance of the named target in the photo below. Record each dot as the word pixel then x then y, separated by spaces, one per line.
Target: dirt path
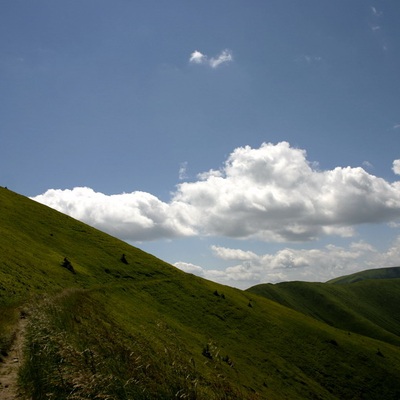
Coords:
pixel 11 363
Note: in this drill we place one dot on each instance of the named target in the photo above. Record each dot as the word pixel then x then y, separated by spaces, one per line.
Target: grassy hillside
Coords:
pixel 377 273
pixel 102 328
pixel 370 308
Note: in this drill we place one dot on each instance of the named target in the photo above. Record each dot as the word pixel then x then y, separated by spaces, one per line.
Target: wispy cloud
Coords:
pixel 367 164
pixel 199 58
pixel 312 59
pixel 308 60
pixel 182 171
pixel 375 12
pixel 224 57
pixel 288 264
pixel 375 25
pixel 396 126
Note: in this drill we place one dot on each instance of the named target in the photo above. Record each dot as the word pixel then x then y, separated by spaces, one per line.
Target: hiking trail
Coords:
pixel 11 363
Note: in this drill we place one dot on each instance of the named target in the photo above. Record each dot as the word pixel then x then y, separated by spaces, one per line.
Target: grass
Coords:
pixel 377 273
pixel 369 307
pixel 146 330
pixel 78 349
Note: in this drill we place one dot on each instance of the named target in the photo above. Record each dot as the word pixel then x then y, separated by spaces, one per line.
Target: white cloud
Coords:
pixel 189 268
pixel 224 57
pixel 270 193
pixel 199 58
pixel 182 171
pixel 273 193
pixel 396 167
pixel 290 264
pixel 130 216
pixel 396 126
pixel 233 254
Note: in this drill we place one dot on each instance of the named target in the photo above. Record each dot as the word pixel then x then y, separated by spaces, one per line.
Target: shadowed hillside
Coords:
pixel 104 325
pixel 370 308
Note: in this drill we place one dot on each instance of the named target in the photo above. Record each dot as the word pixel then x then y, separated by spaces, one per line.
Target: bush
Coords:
pixel 67 264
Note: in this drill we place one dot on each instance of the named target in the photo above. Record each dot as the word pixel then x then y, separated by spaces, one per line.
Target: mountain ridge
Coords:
pixel 375 273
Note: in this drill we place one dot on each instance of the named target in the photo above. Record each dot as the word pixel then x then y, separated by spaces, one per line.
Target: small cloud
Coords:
pixel 199 58
pixel 233 254
pixel 376 26
pixel 189 268
pixel 396 167
pixel 367 164
pixel 376 12
pixel 182 171
pixel 311 59
pixel 224 57
pixel 396 126
pixel 308 59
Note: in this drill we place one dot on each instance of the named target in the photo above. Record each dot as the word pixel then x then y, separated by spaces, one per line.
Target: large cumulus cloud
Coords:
pixel 275 193
pixel 270 193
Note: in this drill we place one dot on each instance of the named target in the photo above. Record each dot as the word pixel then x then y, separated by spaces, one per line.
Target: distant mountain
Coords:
pixel 107 320
pixel 378 273
pixel 370 307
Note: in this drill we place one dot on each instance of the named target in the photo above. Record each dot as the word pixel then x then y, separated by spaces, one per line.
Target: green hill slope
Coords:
pixel 370 307
pixel 377 273
pixel 102 328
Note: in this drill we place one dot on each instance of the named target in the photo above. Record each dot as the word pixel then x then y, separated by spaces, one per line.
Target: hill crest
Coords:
pixel 376 273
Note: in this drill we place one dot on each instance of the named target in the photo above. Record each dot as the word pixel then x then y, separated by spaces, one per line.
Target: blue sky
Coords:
pixel 242 141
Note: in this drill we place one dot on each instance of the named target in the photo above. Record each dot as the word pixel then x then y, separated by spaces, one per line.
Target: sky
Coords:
pixel 242 141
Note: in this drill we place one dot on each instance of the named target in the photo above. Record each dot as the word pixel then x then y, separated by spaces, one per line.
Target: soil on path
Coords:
pixel 11 363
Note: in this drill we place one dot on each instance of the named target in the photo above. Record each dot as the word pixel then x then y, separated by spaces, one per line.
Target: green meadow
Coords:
pixel 109 321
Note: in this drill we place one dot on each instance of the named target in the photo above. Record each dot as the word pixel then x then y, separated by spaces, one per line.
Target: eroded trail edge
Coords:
pixel 12 362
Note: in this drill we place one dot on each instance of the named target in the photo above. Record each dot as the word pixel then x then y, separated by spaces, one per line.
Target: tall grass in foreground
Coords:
pixel 74 351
